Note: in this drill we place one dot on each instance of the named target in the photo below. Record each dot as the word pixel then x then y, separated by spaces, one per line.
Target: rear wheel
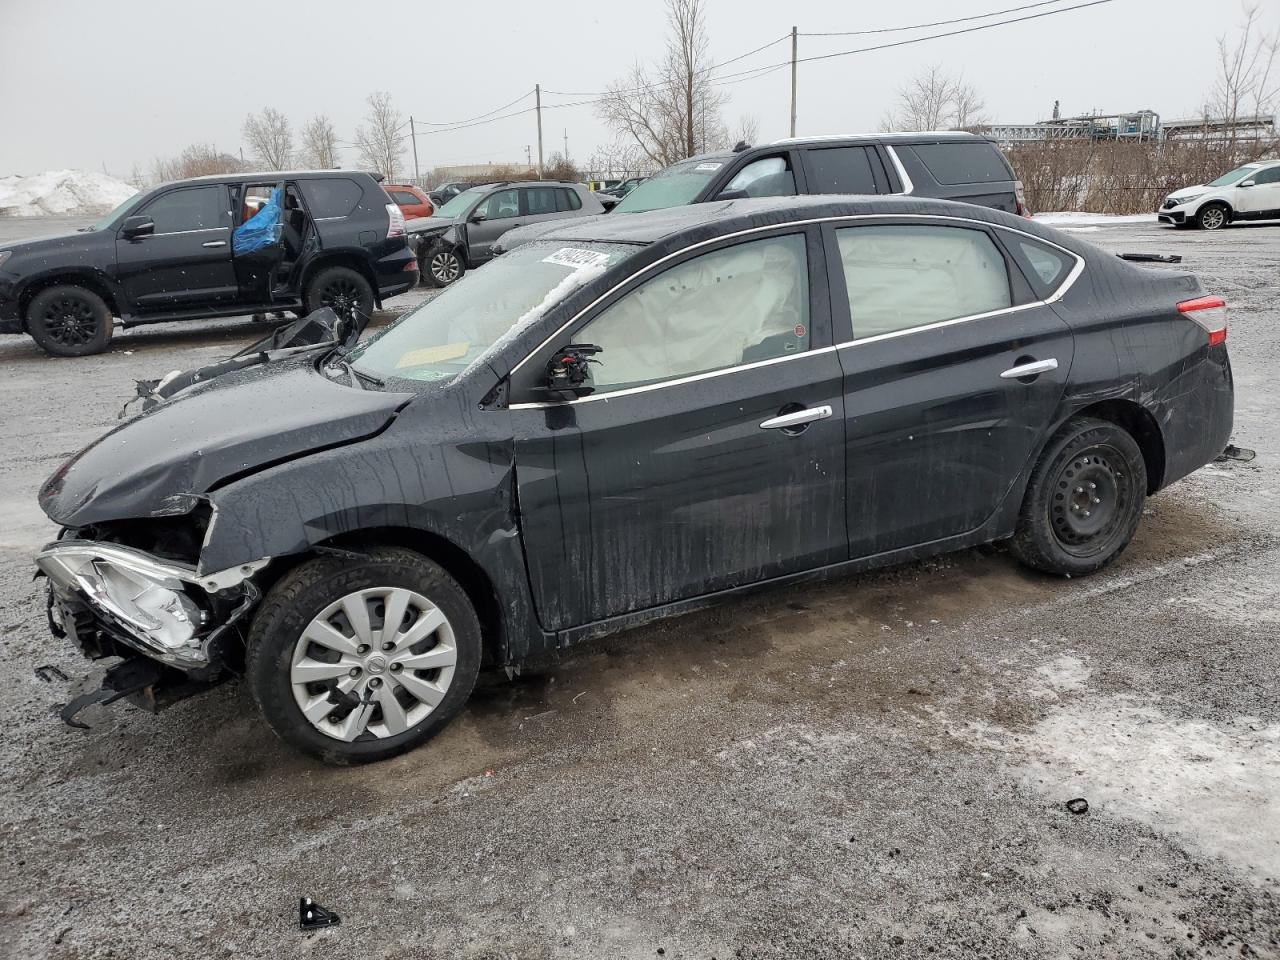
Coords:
pixel 1084 500
pixel 69 321
pixel 353 662
pixel 340 289
pixel 1213 216
pixel 442 267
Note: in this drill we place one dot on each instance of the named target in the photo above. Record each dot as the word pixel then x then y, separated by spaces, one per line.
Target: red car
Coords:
pixel 411 201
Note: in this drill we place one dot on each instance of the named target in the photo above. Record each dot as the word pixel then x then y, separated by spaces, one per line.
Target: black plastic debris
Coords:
pixel 125 678
pixel 312 916
pixel 1232 452
pixel 49 673
pixel 1078 805
pixel 1150 257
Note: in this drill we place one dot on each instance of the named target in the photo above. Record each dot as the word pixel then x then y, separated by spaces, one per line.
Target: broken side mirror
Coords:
pixel 569 371
pixel 140 226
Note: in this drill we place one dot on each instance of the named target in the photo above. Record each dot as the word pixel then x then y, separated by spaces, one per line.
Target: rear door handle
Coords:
pixel 1033 369
pixel 214 243
pixel 797 419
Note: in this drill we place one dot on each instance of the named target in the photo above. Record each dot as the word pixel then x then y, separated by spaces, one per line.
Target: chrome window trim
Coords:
pixel 907 186
pixel 180 233
pixel 1057 295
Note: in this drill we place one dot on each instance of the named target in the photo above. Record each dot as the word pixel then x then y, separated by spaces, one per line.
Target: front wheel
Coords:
pixel 69 321
pixel 1212 216
pixel 340 289
pixel 353 662
pixel 1084 500
pixel 442 267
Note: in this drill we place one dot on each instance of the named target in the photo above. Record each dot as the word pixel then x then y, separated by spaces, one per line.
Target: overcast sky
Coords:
pixel 88 83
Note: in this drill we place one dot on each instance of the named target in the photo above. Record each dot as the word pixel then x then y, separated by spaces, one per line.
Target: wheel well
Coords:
pixel 1219 202
pixel 470 576
pixel 74 279
pixel 1139 424
pixel 356 263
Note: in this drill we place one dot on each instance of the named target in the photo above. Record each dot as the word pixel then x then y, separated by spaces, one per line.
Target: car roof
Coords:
pixel 721 217
pixel 261 175
pixel 897 136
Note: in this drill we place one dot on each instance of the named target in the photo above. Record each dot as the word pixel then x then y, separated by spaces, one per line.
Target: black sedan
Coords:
pixel 624 420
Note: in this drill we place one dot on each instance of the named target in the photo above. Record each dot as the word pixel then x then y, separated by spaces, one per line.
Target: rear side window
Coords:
pixel 332 196
pixel 963 162
pixel 901 277
pixel 841 170
pixel 403 198
pixel 567 200
pixel 1051 266
pixel 540 200
pixel 1270 175
pixel 195 208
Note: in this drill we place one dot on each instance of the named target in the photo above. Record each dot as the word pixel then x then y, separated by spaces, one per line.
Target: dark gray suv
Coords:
pixel 461 234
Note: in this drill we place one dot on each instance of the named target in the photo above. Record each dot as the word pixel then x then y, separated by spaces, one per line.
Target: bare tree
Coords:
pixel 748 131
pixel 197 160
pixel 319 144
pixel 934 100
pixel 560 167
pixel 622 158
pixel 1246 86
pixel 378 139
pixel 671 111
pixel 270 138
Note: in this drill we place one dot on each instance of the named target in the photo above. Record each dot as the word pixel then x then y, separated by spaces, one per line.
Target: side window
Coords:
pixel 1049 265
pixel 732 306
pixel 331 196
pixel 964 162
pixel 567 200
pixel 405 199
pixel 767 177
pixel 195 208
pixel 540 200
pixel 840 170
pixel 900 277
pixel 1270 175
pixel 500 205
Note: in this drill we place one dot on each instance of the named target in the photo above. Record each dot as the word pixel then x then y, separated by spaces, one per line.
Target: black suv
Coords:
pixel 948 166
pixel 170 254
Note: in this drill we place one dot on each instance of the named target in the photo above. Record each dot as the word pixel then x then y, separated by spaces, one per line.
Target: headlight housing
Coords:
pixel 1179 201
pixel 5 255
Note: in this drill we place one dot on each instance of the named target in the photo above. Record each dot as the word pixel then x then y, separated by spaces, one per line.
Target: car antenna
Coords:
pixel 740 146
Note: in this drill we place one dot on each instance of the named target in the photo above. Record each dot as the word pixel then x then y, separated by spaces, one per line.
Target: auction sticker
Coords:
pixel 577 259
pixel 708 166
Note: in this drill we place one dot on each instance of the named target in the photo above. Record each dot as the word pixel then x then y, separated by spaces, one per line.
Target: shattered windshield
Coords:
pixel 673 187
pixel 442 337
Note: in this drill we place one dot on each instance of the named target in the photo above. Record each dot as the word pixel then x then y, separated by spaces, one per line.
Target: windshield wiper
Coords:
pixel 359 376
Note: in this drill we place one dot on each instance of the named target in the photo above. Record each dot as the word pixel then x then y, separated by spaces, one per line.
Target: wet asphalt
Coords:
pixel 874 767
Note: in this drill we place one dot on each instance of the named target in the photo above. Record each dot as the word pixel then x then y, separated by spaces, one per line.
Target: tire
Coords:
pixel 339 288
pixel 346 687
pixel 1213 216
pixel 1084 500
pixel 442 267
pixel 69 321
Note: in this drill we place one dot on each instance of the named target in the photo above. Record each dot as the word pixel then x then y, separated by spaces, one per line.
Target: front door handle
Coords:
pixel 214 243
pixel 797 419
pixel 1033 369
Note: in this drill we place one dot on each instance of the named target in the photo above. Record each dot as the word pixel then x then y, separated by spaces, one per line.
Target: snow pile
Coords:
pixel 61 192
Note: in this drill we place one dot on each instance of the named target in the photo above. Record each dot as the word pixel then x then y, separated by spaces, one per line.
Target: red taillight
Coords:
pixel 1021 196
pixel 1210 313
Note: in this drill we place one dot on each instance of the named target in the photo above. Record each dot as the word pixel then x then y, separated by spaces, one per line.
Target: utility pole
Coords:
pixel 413 135
pixel 794 37
pixel 528 156
pixel 566 144
pixel 537 93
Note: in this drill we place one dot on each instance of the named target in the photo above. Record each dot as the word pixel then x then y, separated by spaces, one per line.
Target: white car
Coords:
pixel 1251 192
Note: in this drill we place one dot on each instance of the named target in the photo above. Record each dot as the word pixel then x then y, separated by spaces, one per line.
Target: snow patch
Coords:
pixel 1066 674
pixel 1068 218
pixel 61 192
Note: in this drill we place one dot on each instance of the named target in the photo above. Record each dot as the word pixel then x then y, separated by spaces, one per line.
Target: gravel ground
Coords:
pixel 874 767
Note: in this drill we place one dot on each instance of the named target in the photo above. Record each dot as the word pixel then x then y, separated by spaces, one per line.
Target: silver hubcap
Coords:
pixel 1212 218
pixel 445 267
pixel 373 664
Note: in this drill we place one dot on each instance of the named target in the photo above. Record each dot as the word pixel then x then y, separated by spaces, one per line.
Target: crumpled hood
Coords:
pixel 429 225
pixel 236 424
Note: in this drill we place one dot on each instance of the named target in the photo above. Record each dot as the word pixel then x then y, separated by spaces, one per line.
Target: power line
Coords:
pixel 936 23
pixel 505 106
pixel 932 36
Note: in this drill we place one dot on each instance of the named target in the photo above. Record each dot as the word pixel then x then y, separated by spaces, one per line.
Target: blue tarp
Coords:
pixel 262 229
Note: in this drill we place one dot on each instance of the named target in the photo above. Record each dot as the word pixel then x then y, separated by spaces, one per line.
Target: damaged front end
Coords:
pixel 113 600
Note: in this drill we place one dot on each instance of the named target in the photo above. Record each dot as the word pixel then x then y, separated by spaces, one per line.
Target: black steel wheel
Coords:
pixel 340 289
pixel 441 266
pixel 1084 500
pixel 69 321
